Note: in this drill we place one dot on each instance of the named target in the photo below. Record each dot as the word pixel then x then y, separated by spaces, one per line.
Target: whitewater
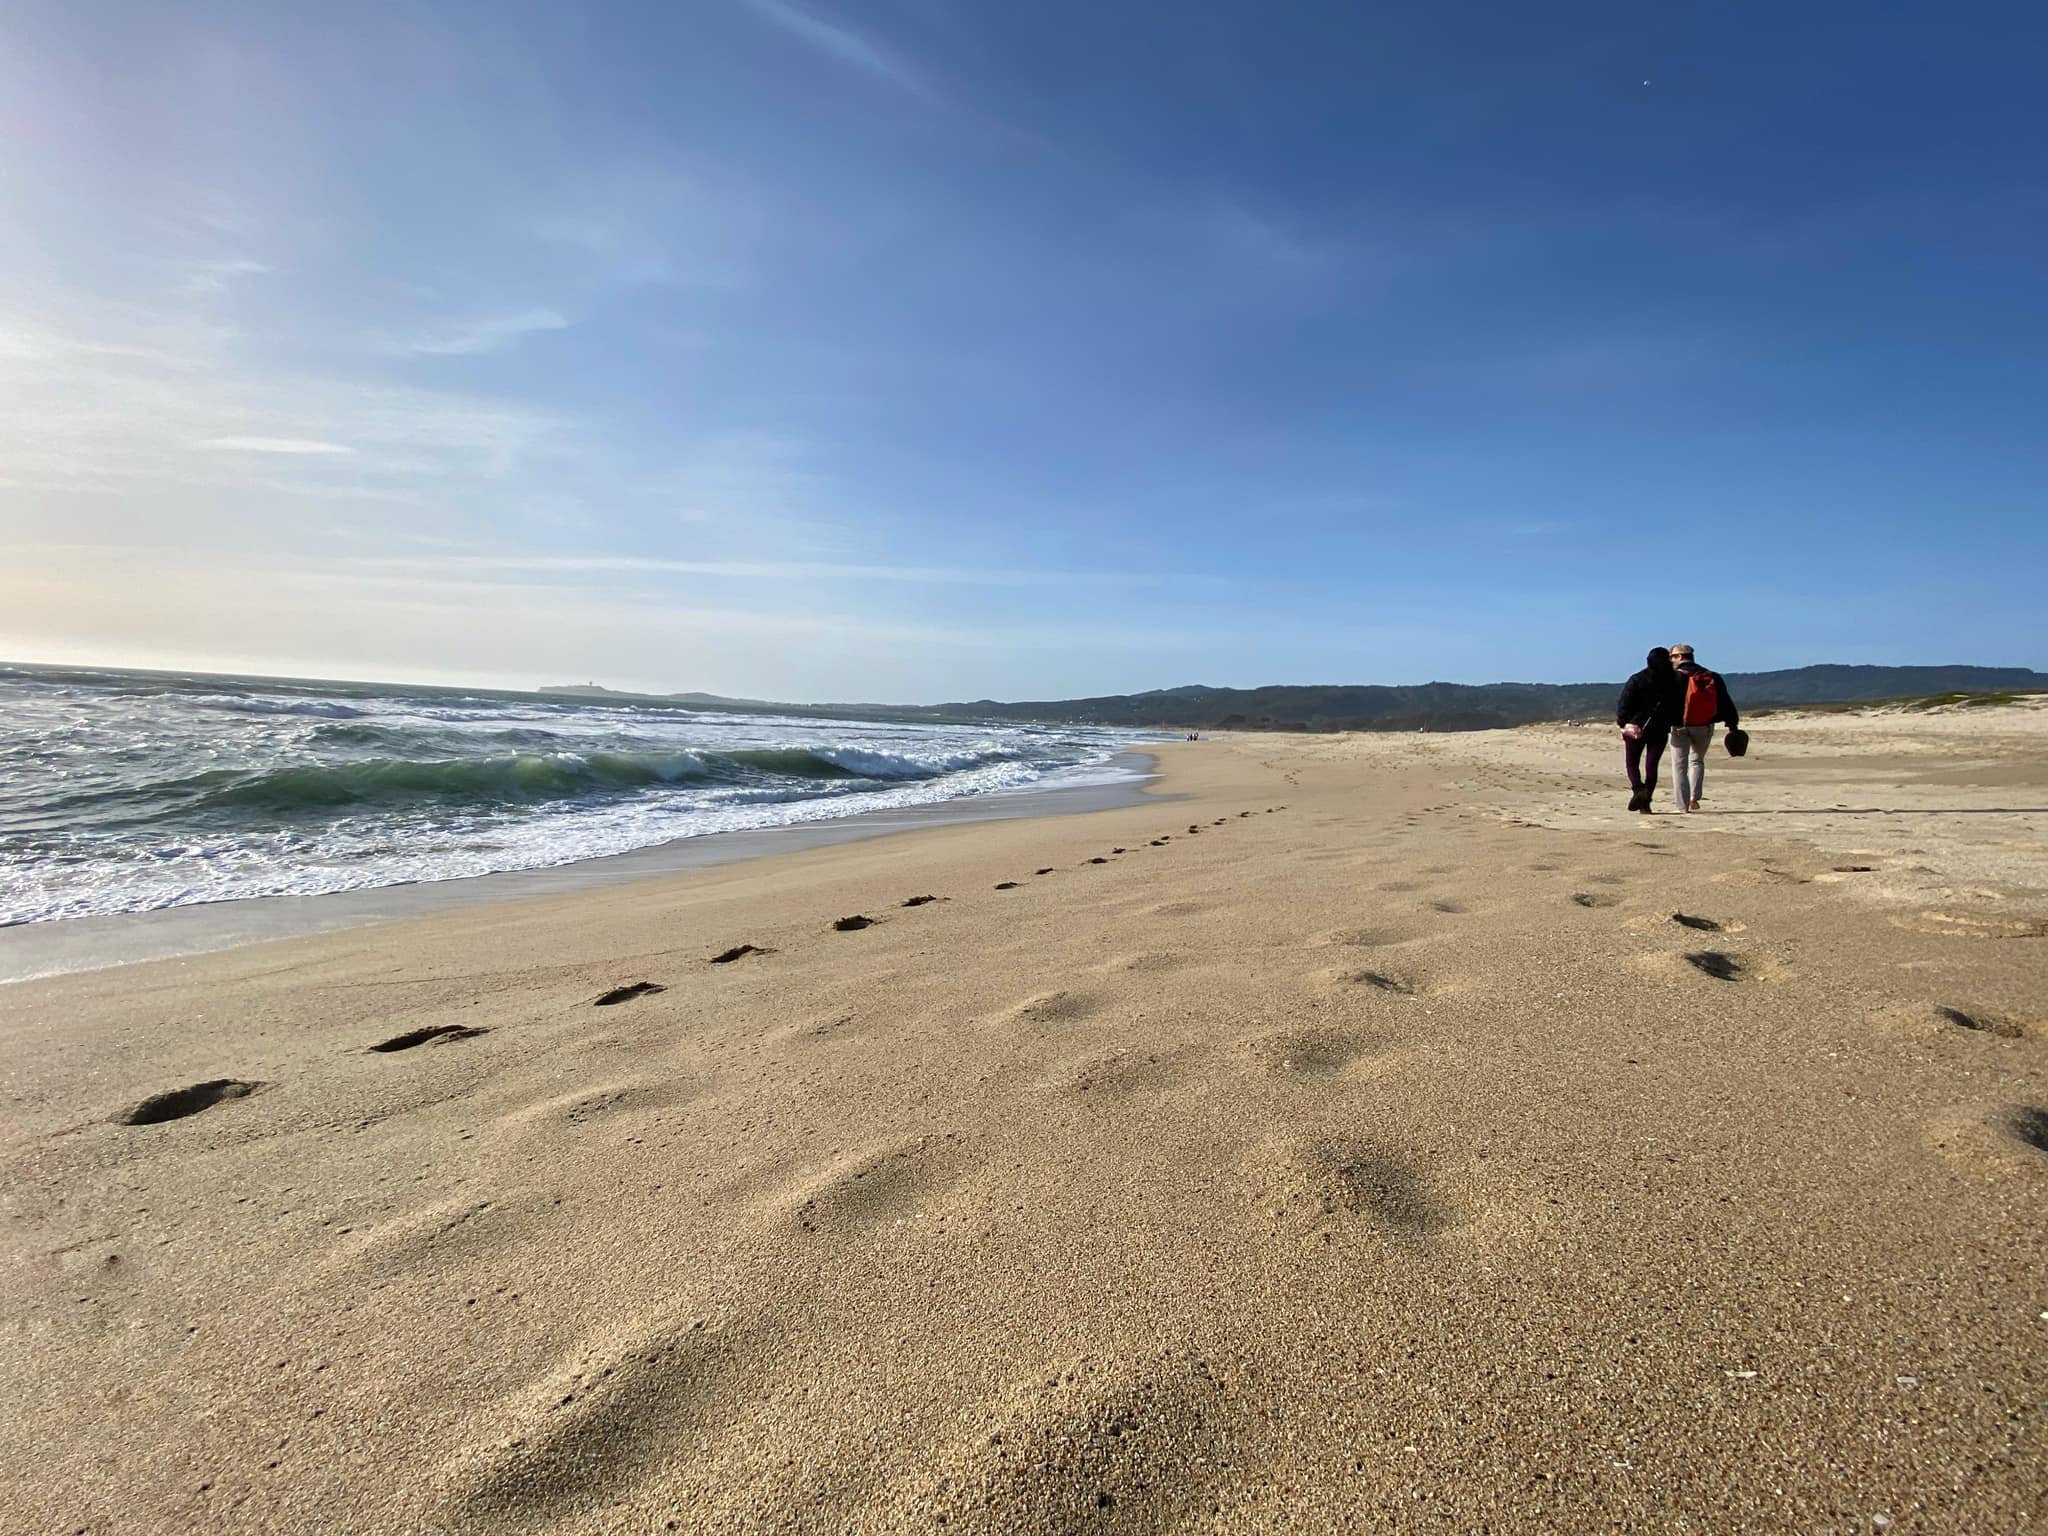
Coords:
pixel 132 792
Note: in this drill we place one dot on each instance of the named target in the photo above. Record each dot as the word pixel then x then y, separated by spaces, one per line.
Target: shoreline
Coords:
pixel 32 951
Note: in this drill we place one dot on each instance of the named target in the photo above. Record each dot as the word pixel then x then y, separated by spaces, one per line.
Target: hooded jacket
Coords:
pixel 1646 700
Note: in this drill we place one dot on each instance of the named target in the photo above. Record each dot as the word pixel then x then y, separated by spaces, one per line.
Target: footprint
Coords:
pixel 2029 1124
pixel 1192 830
pixel 738 952
pixel 606 1421
pixel 1109 1074
pixel 1713 963
pixel 627 993
pixel 1006 885
pixel 1158 842
pixel 1588 899
pixel 1450 908
pixel 852 924
pixel 1133 1444
pixel 1309 1052
pixel 921 901
pixel 859 1191
pixel 1970 926
pixel 1703 924
pixel 1350 1178
pixel 440 1034
pixel 1982 1022
pixel 1143 962
pixel 1379 981
pixel 180 1102
pixel 1051 1008
pixel 1098 860
pixel 1045 871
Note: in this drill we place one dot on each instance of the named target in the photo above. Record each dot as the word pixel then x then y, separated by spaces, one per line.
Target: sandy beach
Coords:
pixel 1375 1133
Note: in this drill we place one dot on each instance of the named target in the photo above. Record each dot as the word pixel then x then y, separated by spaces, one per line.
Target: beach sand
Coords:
pixel 1362 1144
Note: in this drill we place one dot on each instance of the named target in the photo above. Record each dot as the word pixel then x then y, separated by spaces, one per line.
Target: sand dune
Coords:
pixel 1394 1135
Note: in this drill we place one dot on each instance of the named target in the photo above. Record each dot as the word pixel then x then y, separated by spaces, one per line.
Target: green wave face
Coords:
pixel 520 778
pixel 517 777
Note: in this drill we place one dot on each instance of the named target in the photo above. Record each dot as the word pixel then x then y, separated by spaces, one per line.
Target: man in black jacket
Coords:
pixel 1695 692
pixel 1644 715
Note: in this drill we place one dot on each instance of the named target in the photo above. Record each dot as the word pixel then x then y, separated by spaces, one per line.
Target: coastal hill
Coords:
pixel 1376 707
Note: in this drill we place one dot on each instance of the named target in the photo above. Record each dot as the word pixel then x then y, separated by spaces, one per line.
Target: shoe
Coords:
pixel 1638 799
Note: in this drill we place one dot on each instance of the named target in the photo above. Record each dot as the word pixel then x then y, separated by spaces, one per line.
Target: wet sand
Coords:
pixel 29 950
pixel 1392 1135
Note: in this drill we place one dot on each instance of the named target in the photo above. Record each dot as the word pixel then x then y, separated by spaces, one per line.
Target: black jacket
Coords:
pixel 1675 708
pixel 1646 701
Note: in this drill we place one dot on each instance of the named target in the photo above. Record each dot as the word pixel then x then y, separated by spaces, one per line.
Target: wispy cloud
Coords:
pixel 490 333
pixel 288 445
pixel 210 277
pixel 766 570
pixel 843 43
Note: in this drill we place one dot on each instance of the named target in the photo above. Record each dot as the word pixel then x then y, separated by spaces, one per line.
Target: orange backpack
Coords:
pixel 1702 698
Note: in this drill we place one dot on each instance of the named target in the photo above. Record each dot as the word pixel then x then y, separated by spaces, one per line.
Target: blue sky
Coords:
pixel 925 349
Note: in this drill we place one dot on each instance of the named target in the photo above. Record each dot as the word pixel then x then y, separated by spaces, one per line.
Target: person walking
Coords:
pixel 1699 700
pixel 1643 713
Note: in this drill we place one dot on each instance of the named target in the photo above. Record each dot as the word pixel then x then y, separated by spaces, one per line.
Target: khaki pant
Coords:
pixel 1689 745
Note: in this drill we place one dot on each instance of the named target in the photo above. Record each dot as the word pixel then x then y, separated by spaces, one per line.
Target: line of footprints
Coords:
pixel 179 1103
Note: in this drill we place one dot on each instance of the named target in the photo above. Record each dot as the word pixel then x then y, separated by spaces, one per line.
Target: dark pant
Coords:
pixel 1643 755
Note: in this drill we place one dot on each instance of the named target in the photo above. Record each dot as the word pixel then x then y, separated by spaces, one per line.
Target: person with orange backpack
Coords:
pixel 1699 701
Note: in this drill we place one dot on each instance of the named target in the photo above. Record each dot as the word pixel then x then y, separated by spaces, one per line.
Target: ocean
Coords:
pixel 133 791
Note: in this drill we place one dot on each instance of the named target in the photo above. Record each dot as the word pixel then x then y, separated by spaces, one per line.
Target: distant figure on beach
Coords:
pixel 1698 701
pixel 1643 713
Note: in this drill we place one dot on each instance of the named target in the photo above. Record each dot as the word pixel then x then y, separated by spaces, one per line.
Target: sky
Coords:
pixel 913 350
